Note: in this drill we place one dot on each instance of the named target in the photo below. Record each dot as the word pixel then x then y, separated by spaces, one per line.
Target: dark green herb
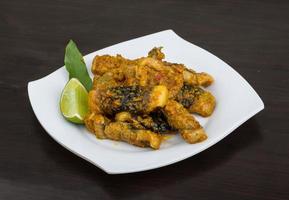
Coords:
pixel 188 94
pixel 123 98
pixel 156 121
pixel 75 65
pixel 160 123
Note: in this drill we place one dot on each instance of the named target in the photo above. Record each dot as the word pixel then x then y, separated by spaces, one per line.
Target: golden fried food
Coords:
pixel 179 118
pixel 138 101
pixel 145 72
pixel 160 74
pixel 156 53
pixel 96 123
pixel 134 99
pixel 122 131
pixel 105 63
pixel 154 121
pixel 193 78
pixel 196 100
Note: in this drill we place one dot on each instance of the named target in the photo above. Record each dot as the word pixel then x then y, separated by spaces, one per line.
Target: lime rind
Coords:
pixel 73 102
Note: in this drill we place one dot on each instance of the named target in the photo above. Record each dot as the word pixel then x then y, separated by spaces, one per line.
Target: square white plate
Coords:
pixel 236 102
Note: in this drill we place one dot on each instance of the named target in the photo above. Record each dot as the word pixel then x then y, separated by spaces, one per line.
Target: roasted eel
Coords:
pixel 139 101
pixel 196 100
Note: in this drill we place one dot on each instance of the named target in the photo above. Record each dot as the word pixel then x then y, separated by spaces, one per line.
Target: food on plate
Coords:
pixel 196 100
pixel 180 119
pixel 140 101
pixel 137 101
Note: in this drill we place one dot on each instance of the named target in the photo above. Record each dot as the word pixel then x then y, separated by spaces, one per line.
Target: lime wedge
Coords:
pixel 73 102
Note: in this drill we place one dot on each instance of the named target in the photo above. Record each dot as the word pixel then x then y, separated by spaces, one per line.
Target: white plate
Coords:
pixel 236 102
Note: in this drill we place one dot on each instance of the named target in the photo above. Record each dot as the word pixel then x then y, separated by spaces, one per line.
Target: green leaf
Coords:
pixel 75 65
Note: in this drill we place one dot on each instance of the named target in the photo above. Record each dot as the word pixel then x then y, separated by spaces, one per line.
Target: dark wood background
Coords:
pixel 252 36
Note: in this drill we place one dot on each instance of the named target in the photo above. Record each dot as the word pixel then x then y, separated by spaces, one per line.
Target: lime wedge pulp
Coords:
pixel 73 102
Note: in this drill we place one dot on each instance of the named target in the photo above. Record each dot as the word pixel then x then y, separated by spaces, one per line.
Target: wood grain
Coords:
pixel 252 36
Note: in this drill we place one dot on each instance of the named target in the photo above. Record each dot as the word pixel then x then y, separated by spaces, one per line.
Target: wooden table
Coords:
pixel 252 36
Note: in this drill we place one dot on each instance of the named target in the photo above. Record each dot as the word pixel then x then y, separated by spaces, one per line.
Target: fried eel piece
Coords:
pixel 122 131
pixel 103 128
pixel 179 118
pixel 105 63
pixel 160 72
pixel 196 100
pixel 134 99
pixel 155 121
pixel 190 76
pixel 193 78
pixel 156 53
pixel 95 123
pixel 146 72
